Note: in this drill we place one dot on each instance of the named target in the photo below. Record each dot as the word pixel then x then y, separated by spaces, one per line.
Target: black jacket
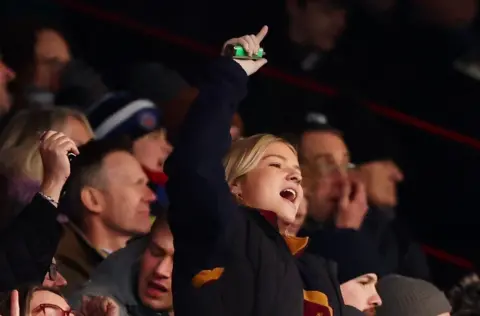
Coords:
pixel 402 255
pixel 230 260
pixel 27 245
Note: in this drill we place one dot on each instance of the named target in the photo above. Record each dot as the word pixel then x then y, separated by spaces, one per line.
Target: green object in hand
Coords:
pixel 237 52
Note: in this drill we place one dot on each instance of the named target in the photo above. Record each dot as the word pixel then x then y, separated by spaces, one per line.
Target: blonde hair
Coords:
pixel 246 153
pixel 19 140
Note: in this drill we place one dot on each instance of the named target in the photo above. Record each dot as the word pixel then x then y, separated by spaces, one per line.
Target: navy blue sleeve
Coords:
pixel 201 205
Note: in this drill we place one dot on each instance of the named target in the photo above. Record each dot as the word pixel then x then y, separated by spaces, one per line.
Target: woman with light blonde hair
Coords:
pixel 233 255
pixel 21 168
pixel 19 140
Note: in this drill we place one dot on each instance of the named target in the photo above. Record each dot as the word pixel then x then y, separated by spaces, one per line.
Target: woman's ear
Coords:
pixel 236 189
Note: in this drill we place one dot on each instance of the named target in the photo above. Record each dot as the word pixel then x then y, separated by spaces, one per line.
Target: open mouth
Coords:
pixel 158 287
pixel 289 194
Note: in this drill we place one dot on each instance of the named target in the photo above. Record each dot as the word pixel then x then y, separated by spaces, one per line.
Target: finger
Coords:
pixel 14 303
pixel 232 41
pixel 346 190
pixel 251 45
pixel 50 139
pixel 67 145
pixel 256 45
pixel 46 135
pixel 360 193
pixel 244 43
pixel 261 35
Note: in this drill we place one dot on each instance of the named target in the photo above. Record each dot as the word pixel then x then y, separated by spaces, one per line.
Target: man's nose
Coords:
pixel 149 195
pixel 375 300
pixel 164 268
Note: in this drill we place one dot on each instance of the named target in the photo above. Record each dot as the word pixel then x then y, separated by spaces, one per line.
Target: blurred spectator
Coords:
pixel 29 242
pixel 141 285
pixel 37 51
pixel 19 140
pixel 315 26
pixel 107 201
pixel 326 165
pixel 465 297
pixel 121 114
pixel 6 76
pixel 21 168
pixel 80 86
pixel 406 296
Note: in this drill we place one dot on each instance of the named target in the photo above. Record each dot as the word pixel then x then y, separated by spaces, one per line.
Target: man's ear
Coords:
pixel 92 199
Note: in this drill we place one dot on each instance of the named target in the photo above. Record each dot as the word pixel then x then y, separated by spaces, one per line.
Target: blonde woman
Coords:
pixel 229 222
pixel 19 140
pixel 21 169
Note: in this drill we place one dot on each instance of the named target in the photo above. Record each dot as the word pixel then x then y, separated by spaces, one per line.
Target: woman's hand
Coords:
pixel 251 45
pixel 54 147
pixel 99 306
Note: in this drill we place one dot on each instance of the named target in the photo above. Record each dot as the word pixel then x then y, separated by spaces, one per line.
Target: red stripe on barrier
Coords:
pixel 293 80
pixel 304 83
pixel 444 256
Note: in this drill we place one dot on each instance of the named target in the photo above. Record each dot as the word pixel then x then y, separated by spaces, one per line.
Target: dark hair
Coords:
pixel 465 297
pixel 24 297
pixel 86 171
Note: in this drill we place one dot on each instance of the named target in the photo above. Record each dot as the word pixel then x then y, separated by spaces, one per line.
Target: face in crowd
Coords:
pixel 155 277
pixel 325 164
pixel 362 293
pixel 264 173
pixel 318 23
pixel 152 150
pixel 122 199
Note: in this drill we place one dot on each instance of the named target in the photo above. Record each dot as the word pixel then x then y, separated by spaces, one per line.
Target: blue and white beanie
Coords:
pixel 122 114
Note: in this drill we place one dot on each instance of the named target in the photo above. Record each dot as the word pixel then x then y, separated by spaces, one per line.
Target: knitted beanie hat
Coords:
pixel 403 296
pixel 123 114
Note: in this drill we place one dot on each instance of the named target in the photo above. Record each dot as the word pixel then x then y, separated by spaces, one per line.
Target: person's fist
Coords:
pixel 54 148
pixel 251 45
pixel 99 306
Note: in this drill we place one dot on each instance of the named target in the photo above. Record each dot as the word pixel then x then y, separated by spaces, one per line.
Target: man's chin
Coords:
pixel 158 306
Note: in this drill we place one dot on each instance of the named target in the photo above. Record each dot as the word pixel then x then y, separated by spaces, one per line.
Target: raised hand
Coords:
pixel 54 147
pixel 352 206
pixel 251 44
pixel 99 306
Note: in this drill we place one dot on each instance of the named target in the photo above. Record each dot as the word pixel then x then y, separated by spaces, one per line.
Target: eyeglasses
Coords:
pixel 52 272
pixel 324 167
pixel 54 310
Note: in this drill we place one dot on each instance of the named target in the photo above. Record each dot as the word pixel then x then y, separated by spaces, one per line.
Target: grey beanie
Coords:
pixel 402 296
